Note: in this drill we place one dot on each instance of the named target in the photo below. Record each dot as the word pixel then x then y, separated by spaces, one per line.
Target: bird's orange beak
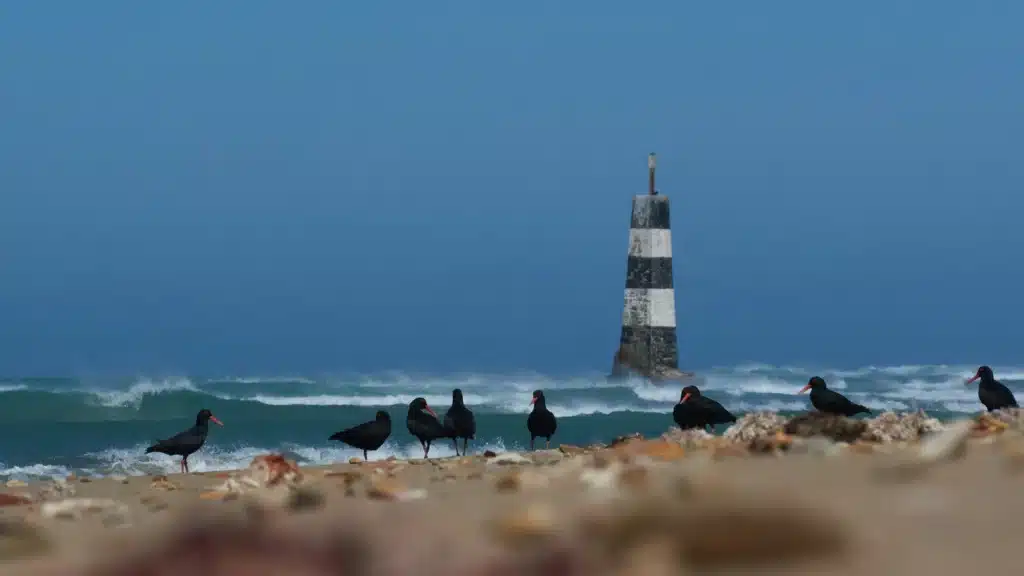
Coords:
pixel 804 389
pixel 427 408
pixel 972 379
pixel 533 400
pixel 685 398
pixel 215 421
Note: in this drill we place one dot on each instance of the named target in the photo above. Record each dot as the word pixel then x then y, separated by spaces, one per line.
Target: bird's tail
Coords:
pixel 861 408
pixel 340 436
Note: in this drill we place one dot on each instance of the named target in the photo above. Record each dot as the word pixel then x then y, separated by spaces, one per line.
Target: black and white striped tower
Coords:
pixel 648 343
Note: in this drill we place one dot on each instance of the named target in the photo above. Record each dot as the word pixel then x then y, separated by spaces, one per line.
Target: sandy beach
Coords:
pixel 765 499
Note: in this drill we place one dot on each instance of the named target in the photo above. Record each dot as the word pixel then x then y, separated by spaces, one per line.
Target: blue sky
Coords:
pixel 255 187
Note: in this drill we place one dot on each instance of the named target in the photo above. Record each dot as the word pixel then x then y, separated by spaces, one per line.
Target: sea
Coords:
pixel 52 427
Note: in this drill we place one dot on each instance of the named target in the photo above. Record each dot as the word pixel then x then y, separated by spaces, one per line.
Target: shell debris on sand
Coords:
pixel 754 425
pixel 517 480
pixel 832 426
pixel 950 444
pixel 889 427
pixel 76 508
pixel 162 483
pixel 391 490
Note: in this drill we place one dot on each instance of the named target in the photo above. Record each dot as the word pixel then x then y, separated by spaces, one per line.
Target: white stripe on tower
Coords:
pixel 650 308
pixel 650 243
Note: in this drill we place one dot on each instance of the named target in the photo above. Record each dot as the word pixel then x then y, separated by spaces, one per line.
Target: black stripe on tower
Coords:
pixel 657 344
pixel 655 216
pixel 652 273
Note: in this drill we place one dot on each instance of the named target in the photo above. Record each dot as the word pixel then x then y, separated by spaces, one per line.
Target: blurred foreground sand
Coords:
pixel 683 505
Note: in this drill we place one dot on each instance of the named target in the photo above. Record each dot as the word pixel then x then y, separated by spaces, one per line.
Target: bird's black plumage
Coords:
pixel 830 402
pixel 368 435
pixel 422 423
pixel 187 442
pixel 695 410
pixel 459 422
pixel 992 393
pixel 541 422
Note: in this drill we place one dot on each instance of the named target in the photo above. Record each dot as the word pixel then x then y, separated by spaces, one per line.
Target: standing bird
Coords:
pixel 459 422
pixel 423 424
pixel 695 410
pixel 830 402
pixel 368 435
pixel 541 421
pixel 992 393
pixel 185 443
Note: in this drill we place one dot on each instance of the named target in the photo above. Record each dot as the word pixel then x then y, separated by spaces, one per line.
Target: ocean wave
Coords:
pixel 757 386
pixel 133 461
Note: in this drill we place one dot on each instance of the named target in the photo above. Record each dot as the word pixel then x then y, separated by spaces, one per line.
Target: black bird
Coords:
pixel 541 421
pixel 185 443
pixel 695 410
pixel 459 422
pixel 992 393
pixel 424 425
pixel 368 435
pixel 830 402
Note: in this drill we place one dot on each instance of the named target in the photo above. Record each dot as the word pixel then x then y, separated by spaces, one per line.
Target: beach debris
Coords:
pixel 280 497
pixel 689 438
pixel 832 426
pixel 948 445
pixel 112 511
pixel 20 539
pixel 509 458
pixel 625 439
pixel 1013 418
pixel 392 491
pixel 754 425
pixel 815 445
pixel 355 460
pixel 163 483
pixel 771 444
pixel 570 450
pixel 119 478
pixel 217 495
pixel 508 482
pixel 656 449
pixel 14 499
pixel 889 427
pixel 489 454
pixel 273 469
pixel 990 423
pixel 525 526
pixel 56 489
pixel 516 480
pixel 17 483
pixel 861 447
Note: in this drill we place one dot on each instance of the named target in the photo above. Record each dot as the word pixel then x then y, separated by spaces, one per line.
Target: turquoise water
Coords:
pixel 52 426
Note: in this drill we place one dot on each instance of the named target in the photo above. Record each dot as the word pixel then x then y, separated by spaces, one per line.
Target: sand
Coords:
pixel 947 504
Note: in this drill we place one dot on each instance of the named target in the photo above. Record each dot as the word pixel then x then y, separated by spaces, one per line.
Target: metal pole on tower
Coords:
pixel 651 164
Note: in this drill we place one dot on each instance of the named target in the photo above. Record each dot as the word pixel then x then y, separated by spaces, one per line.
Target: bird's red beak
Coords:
pixel 427 408
pixel 804 389
pixel 215 421
pixel 533 400
pixel 685 398
pixel 972 379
